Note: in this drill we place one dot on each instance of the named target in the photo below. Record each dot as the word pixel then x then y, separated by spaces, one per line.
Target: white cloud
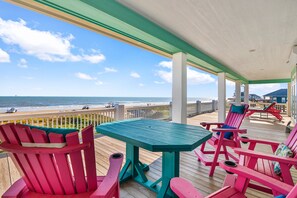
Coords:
pixel 166 64
pixel 159 82
pixel 44 45
pixel 4 56
pixel 95 58
pixel 165 75
pixel 109 69
pixel 84 76
pixel 262 89
pixel 230 83
pixel 141 85
pixel 194 77
pixel 23 63
pixel 134 75
pixel 98 83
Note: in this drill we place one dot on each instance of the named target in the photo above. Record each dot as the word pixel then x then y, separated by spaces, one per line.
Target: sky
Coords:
pixel 42 56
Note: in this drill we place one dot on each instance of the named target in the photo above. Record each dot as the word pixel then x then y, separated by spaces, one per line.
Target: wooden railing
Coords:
pixel 152 112
pixel 81 118
pixel 67 119
pixel 164 111
pixel 261 105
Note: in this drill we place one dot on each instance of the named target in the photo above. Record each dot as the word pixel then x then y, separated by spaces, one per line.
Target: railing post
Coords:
pixel 198 107
pixel 170 110
pixel 119 112
pixel 214 104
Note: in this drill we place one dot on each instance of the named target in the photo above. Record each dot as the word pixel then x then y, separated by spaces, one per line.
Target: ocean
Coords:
pixel 30 103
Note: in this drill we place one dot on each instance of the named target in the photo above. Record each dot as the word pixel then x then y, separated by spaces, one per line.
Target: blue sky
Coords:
pixel 42 56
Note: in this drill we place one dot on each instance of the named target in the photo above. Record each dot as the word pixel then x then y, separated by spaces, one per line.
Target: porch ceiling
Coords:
pixel 254 38
pixel 250 40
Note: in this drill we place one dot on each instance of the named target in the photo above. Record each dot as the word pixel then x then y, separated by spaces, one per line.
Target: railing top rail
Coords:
pixel 24 115
pixel 145 107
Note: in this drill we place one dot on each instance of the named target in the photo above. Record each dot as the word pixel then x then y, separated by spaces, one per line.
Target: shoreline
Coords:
pixel 63 108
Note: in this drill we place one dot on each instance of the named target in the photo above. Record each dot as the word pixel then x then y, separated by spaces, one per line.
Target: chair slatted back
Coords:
pixel 54 173
pixel 235 119
pixel 291 141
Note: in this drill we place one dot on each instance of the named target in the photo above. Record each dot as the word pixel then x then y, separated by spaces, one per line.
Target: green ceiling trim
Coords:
pixel 286 80
pixel 116 17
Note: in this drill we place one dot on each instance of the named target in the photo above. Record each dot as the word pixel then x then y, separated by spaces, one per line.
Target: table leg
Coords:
pixel 170 169
pixel 133 168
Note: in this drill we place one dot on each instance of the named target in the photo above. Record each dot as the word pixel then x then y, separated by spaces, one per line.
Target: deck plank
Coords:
pixel 190 168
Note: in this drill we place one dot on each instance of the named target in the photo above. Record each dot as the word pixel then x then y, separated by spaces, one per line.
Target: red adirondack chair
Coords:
pixel 218 141
pixel 57 172
pixel 262 162
pixel 184 189
pixel 270 109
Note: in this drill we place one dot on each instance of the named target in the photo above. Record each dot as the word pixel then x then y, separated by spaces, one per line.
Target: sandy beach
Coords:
pixel 47 112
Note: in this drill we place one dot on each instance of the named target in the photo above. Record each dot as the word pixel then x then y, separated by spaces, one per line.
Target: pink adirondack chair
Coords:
pixel 270 109
pixel 219 142
pixel 57 172
pixel 262 162
pixel 184 189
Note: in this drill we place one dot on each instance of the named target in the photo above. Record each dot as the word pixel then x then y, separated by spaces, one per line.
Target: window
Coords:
pixel 284 100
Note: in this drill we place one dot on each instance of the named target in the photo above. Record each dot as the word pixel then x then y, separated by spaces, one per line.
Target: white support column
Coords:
pixel 246 94
pixel 179 88
pixel 289 100
pixel 222 97
pixel 237 92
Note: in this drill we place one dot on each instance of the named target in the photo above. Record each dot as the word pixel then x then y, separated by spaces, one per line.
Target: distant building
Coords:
pixel 279 96
pixel 252 97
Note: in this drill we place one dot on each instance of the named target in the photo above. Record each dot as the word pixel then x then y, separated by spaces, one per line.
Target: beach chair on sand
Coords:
pixel 226 135
pixel 270 109
pixel 52 165
pixel 184 189
pixel 264 163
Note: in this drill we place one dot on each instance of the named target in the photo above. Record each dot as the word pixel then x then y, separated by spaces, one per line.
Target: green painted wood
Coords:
pixel 155 135
pixel 286 80
pixel 170 169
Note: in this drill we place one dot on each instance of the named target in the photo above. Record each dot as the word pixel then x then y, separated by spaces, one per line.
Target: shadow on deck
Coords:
pixel 190 168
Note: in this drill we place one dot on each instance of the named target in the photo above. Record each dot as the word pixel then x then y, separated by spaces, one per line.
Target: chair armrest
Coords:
pixel 270 157
pixel 110 181
pixel 268 181
pixel 229 130
pixel 16 189
pixel 183 188
pixel 211 123
pixel 15 148
pixel 259 141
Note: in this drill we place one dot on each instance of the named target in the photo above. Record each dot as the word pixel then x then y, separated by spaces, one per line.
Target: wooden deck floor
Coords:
pixel 190 168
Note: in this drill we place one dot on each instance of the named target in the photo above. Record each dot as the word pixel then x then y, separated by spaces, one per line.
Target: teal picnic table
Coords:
pixel 156 136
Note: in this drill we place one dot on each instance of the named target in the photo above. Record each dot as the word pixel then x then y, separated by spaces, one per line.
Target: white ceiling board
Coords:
pixel 254 38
